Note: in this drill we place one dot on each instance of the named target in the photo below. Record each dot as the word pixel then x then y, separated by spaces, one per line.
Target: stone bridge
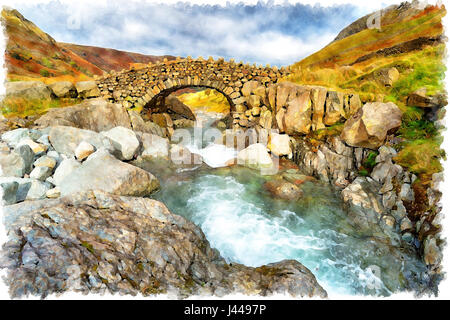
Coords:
pixel 256 96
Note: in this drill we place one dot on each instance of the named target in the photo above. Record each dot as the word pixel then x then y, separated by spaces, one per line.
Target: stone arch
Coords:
pixel 141 88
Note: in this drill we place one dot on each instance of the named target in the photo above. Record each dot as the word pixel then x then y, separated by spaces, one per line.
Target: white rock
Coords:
pixel 84 150
pixel 65 168
pixel 279 145
pixel 155 146
pixel 124 141
pixel 41 173
pixel 255 156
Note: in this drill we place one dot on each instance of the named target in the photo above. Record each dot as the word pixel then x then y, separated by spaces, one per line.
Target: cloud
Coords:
pixel 258 33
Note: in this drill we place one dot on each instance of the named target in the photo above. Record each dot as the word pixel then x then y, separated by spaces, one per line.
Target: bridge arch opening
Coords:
pixel 188 102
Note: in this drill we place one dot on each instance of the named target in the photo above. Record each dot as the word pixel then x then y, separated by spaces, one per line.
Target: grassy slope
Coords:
pixel 31 53
pixel 337 66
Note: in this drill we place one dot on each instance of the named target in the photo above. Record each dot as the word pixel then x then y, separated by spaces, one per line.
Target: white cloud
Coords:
pixel 257 34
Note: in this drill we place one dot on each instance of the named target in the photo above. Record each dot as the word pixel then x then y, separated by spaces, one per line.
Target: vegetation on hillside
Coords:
pixel 410 40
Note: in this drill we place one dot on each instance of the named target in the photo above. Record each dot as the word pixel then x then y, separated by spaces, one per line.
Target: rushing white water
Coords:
pixel 213 154
pixel 248 226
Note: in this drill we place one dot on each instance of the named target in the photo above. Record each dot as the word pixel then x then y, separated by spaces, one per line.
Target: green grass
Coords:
pixel 20 107
pixel 422 156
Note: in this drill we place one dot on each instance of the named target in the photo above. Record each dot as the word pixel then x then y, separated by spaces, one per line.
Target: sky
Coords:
pixel 258 32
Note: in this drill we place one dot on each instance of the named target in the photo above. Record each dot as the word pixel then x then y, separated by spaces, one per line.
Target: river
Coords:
pixel 247 225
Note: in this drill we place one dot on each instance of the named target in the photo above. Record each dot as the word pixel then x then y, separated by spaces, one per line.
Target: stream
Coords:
pixel 249 226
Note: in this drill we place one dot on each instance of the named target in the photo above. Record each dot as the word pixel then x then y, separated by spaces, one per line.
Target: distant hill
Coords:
pixel 111 59
pixel 32 53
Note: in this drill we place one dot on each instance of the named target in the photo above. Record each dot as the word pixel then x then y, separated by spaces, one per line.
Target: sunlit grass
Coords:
pixel 20 107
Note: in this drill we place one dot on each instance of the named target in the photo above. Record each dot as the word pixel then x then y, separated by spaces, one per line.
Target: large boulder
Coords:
pixel 92 242
pixel 63 89
pixel 65 168
pixel 30 90
pixel 124 142
pixel 369 126
pixel 179 108
pixel 96 115
pixel 297 118
pixel 65 140
pixel 87 89
pixel 102 171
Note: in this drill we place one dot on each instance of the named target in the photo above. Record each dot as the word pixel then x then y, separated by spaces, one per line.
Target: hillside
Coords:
pixel 111 59
pixel 31 53
pixel 410 39
pixel 405 56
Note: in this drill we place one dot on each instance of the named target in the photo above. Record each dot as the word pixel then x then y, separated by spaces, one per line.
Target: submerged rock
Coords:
pixel 283 189
pixel 96 242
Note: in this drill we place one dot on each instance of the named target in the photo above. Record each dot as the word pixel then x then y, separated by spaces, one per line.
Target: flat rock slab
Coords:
pixel 92 242
pixel 96 115
pixel 101 171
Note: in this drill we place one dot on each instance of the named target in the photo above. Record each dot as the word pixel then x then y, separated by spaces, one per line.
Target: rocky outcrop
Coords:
pixel 87 89
pixel 95 115
pixel 369 126
pixel 30 90
pixel 101 171
pixel 92 242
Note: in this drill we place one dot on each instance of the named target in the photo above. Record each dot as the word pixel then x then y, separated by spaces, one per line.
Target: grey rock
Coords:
pixel 8 193
pixel 27 155
pixel 28 189
pixel 65 168
pixel 137 247
pixel 12 165
pixel 41 173
pixel 406 192
pixel 124 141
pixel 101 171
pixel 65 140
pixel 13 137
